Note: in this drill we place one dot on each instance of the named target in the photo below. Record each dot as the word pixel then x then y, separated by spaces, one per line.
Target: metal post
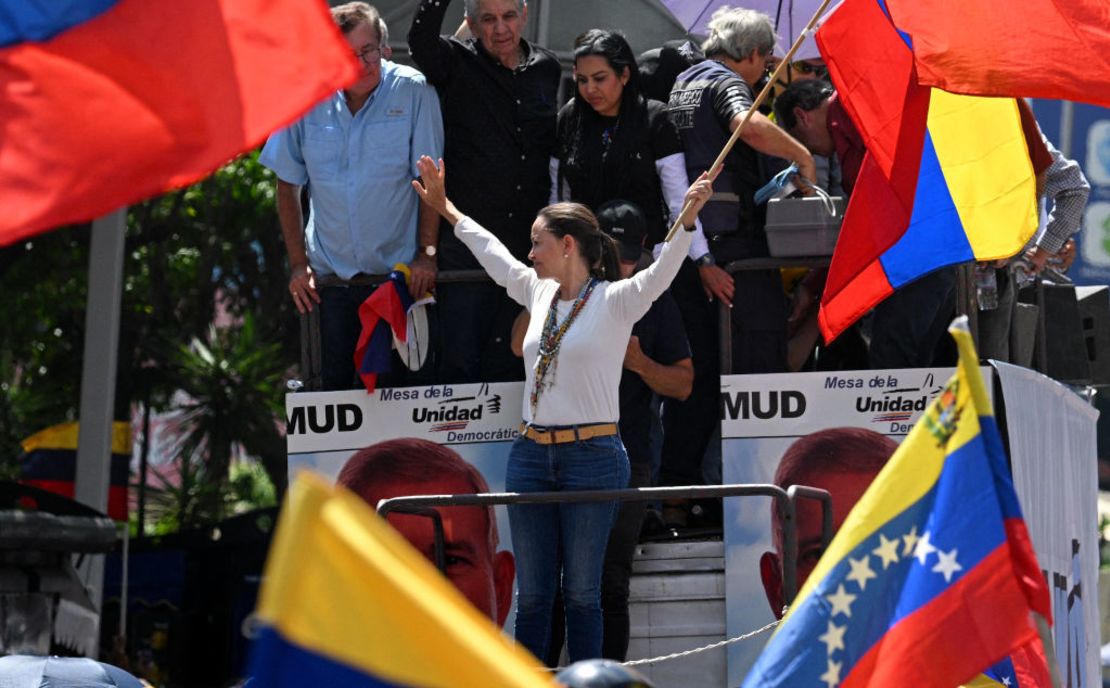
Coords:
pixel 543 26
pixel 125 566
pixel 144 461
pixel 724 336
pixel 98 379
pixel 1067 124
pixel 966 301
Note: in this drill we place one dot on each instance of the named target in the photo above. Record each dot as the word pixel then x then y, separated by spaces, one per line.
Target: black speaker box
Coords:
pixel 1094 315
pixel 1060 351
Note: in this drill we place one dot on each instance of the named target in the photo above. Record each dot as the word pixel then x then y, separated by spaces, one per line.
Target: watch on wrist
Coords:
pixel 705 261
pixel 429 251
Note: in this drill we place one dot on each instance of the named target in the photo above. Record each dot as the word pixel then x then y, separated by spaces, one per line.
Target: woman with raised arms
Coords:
pixel 582 317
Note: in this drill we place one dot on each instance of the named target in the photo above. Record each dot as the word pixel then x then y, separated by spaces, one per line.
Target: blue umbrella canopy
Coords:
pixel 21 671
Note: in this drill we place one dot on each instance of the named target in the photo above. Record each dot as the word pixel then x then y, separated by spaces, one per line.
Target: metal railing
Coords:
pixel 965 305
pixel 785 501
pixel 310 322
pixel 724 333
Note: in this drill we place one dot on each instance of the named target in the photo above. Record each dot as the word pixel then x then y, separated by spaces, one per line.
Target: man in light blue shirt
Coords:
pixel 356 152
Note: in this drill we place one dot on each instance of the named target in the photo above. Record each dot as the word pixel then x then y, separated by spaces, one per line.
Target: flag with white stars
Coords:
pixel 932 577
pixel 1025 668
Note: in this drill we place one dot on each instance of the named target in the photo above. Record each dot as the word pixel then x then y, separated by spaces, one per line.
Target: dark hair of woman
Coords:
pixel 632 118
pixel 597 248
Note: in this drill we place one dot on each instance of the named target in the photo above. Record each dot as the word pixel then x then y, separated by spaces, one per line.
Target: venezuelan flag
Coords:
pixel 49 462
pixel 987 48
pixel 346 601
pixel 1025 668
pixel 947 178
pixel 382 314
pixel 107 102
pixel 932 577
pixel 1001 675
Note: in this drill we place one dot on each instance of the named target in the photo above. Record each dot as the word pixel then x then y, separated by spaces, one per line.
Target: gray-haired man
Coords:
pixel 707 103
pixel 499 95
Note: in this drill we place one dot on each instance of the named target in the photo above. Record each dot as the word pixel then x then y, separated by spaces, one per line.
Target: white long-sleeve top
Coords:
pixel 587 371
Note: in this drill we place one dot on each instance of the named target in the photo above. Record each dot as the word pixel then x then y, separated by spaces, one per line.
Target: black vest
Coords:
pixel 731 218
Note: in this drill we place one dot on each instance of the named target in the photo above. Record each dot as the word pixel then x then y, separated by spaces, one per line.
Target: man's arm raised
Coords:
pixel 430 51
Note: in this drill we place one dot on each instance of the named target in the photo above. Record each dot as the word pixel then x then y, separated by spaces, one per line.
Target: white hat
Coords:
pixel 414 350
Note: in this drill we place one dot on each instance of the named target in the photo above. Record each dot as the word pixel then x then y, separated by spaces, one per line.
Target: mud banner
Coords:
pixel 478 421
pixel 762 417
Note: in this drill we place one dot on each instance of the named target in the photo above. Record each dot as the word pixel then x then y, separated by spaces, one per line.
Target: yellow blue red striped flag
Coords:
pixel 947 178
pixel 346 601
pixel 932 577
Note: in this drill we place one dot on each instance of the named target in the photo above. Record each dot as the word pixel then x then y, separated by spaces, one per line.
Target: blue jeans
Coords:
pixel 564 543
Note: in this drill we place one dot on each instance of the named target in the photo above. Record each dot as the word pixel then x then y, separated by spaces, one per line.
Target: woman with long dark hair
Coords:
pixel 613 143
pixel 569 437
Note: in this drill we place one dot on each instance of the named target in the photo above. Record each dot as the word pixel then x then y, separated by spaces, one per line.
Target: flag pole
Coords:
pixel 715 169
pixel 1049 654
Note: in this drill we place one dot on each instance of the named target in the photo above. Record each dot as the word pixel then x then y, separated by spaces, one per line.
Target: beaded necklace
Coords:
pixel 552 338
pixel 607 135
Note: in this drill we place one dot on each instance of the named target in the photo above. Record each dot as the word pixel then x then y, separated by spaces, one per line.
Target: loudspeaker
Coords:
pixel 1060 351
pixel 1094 314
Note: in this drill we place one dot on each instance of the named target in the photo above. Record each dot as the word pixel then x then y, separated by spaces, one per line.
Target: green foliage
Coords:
pixel 250 488
pixel 229 379
pixel 42 337
pixel 209 253
pixel 195 500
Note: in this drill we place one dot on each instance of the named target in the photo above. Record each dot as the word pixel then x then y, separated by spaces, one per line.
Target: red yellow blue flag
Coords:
pixel 49 462
pixel 107 102
pixel 383 315
pixel 346 601
pixel 987 48
pixel 947 178
pixel 932 577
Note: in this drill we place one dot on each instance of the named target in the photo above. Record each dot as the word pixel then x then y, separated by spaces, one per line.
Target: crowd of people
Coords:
pixel 566 208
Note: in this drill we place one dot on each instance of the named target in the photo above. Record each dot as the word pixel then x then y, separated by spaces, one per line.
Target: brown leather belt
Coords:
pixel 570 433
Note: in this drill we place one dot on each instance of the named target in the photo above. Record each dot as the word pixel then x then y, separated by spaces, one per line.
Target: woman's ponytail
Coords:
pixel 597 248
pixel 609 264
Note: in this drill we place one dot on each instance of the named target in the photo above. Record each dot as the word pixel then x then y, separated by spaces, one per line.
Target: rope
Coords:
pixel 714 646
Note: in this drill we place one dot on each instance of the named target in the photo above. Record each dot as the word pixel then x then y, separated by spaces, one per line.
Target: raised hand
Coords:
pixel 432 191
pixel 430 185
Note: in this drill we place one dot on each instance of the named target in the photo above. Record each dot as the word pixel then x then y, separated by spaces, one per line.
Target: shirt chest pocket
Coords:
pixel 388 144
pixel 324 151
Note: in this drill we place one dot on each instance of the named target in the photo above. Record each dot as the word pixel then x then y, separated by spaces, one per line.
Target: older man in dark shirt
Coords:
pixel 499 97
